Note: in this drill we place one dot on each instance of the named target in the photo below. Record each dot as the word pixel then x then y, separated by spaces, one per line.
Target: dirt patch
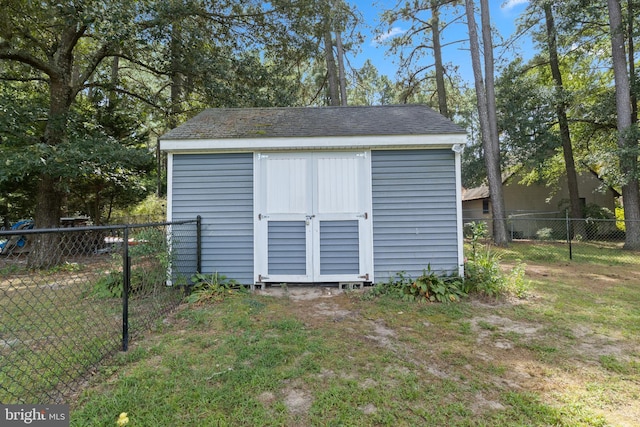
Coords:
pixel 382 335
pixel 368 409
pixel 481 404
pixel 334 311
pixel 486 327
pixel 267 398
pixel 297 400
pixel 300 292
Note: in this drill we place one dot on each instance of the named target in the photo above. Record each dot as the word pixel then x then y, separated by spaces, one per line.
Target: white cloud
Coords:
pixel 393 32
pixel 510 4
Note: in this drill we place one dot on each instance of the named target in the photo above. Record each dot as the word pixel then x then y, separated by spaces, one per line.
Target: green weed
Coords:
pixel 613 364
pixel 212 288
pixel 430 287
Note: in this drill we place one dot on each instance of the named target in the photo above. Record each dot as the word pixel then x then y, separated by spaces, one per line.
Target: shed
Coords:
pixel 320 195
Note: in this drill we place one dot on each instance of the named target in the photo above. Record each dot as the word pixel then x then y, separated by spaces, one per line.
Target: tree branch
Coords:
pixel 101 54
pixel 22 79
pixel 124 92
pixel 8 54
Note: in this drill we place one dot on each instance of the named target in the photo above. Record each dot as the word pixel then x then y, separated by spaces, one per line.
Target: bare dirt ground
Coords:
pixel 507 341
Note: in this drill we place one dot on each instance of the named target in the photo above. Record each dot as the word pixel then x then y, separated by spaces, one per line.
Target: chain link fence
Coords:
pixel 558 239
pixel 71 297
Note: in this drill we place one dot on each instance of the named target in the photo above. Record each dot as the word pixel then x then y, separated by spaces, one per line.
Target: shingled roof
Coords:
pixel 408 119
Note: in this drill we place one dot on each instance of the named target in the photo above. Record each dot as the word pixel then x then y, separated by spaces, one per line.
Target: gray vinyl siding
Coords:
pixel 287 247
pixel 218 187
pixel 414 212
pixel 339 247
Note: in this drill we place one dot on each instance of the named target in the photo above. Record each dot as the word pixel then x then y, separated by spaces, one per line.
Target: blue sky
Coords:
pixel 504 14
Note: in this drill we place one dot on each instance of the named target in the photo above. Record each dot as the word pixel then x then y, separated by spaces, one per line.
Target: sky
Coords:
pixel 504 14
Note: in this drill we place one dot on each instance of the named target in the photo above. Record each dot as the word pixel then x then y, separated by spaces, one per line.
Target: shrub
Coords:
pixel 392 287
pixel 544 233
pixel 482 271
pixel 620 224
pixel 476 231
pixel 430 286
pixel 434 287
pixel 150 259
pixel 483 274
pixel 141 282
pixel 516 284
pixel 109 285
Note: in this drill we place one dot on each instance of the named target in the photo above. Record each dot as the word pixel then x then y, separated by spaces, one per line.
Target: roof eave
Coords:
pixel 300 143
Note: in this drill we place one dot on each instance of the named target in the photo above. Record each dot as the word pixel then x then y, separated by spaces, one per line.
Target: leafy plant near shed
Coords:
pixel 212 288
pixel 436 288
pixel 483 274
pixel 475 231
pixel 150 260
pixel 430 286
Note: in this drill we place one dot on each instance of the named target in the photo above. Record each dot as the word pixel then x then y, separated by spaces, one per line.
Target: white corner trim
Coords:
pixel 334 142
pixel 169 187
pixel 169 213
pixel 459 222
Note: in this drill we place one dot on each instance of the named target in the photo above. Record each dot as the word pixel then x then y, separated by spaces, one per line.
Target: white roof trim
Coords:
pixel 297 143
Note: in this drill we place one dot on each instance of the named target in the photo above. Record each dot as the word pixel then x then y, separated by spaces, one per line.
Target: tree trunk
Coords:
pixel 488 130
pixel 437 55
pixel 332 77
pixel 47 250
pixel 563 122
pixel 627 143
pixel 115 75
pixel 341 73
pixel 177 78
pixel 632 66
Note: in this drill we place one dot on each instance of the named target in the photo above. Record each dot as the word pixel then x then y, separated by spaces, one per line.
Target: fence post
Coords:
pixel 511 223
pixel 126 281
pixel 198 244
pixel 569 239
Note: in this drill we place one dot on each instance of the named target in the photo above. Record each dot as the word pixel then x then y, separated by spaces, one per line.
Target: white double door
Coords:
pixel 313 217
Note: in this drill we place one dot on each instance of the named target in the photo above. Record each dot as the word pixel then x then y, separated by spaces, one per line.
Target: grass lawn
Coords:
pixel 567 355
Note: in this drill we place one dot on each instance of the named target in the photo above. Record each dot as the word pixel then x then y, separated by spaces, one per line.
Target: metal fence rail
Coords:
pixel 64 310
pixel 559 239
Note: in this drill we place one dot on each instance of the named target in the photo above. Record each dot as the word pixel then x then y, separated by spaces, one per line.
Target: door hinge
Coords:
pixel 261 217
pixel 364 215
pixel 364 276
pixel 261 277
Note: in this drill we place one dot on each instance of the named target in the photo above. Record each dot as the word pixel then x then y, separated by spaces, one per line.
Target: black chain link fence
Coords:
pixel 71 297
pixel 561 239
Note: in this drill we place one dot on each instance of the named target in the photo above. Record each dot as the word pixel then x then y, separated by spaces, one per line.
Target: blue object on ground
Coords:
pixel 16 241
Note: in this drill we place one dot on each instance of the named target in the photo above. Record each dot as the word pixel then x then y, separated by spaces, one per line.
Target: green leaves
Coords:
pixel 431 286
pixel 212 288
